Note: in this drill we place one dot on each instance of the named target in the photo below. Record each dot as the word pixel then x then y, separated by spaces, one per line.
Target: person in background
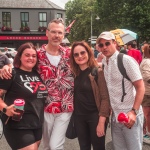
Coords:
pixel 124 49
pixel 25 84
pixel 99 59
pixel 118 47
pixel 100 56
pixel 96 51
pixel 54 69
pixel 6 50
pixel 133 52
pixel 91 98
pixel 126 136
pixel 145 70
pixel 7 53
pixel 4 61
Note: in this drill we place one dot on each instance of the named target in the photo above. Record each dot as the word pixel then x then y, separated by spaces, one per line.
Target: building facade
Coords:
pixel 26 20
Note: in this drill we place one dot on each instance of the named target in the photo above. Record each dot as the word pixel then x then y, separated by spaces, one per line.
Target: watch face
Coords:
pixel 136 111
pixel 4 110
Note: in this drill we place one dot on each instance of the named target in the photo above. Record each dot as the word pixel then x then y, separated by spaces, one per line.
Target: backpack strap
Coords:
pixel 121 66
pixel 123 72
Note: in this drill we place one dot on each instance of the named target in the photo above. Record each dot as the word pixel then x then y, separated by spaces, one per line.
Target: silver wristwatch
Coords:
pixel 136 111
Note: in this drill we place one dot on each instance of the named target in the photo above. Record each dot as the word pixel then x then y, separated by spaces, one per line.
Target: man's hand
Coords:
pixel 5 72
pixel 132 119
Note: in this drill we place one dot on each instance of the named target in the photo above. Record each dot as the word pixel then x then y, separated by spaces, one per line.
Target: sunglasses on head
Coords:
pixel 77 54
pixel 102 45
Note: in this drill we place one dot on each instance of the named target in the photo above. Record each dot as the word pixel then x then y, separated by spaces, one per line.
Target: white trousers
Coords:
pixel 127 139
pixel 54 130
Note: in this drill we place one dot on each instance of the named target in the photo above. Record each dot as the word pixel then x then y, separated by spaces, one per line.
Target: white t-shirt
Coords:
pixel 54 60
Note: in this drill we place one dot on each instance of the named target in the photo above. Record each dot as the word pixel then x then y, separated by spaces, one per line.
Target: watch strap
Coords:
pixel 135 110
pixel 4 109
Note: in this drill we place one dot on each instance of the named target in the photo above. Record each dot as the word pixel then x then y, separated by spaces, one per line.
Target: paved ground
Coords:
pixel 72 144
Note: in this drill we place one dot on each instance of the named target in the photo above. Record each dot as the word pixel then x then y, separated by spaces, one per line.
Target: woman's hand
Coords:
pixel 10 110
pixel 100 130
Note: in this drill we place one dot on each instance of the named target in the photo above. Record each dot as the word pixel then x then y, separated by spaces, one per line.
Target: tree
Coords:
pixel 81 10
pixel 132 15
pixel 124 14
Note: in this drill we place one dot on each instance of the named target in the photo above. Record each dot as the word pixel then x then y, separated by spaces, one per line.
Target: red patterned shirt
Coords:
pixel 59 81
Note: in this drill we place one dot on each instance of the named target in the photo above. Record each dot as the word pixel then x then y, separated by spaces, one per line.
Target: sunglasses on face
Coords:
pixel 102 45
pixel 77 54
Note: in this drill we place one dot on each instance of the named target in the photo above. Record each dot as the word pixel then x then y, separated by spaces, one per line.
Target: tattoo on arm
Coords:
pixel 2 93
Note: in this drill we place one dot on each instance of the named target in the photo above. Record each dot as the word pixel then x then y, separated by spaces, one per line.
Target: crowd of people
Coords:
pixel 55 82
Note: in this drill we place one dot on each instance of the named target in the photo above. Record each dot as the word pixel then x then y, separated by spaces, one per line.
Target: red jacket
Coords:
pixel 135 54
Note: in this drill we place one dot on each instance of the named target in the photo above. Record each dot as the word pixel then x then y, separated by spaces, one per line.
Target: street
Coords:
pixel 72 144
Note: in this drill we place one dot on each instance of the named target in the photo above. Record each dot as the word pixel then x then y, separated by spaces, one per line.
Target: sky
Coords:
pixel 60 3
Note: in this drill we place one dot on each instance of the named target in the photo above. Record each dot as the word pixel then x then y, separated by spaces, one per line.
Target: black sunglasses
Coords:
pixel 102 45
pixel 77 54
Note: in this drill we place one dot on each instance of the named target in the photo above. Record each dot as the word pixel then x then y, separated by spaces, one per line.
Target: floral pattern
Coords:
pixel 59 81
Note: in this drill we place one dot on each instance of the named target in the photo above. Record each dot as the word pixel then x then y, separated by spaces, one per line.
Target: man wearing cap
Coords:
pixel 126 136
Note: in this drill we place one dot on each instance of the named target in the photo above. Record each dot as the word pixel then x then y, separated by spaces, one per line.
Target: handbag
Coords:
pixel 71 131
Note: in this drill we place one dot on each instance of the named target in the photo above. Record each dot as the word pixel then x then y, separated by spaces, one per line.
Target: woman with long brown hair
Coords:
pixel 91 99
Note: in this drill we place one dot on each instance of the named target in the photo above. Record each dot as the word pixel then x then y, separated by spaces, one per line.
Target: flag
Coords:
pixel 69 27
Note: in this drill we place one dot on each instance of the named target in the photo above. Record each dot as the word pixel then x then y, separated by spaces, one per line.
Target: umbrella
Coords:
pixel 127 38
pixel 124 36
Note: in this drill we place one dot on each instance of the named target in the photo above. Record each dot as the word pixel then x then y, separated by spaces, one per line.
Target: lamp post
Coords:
pixel 97 18
pixel 91 29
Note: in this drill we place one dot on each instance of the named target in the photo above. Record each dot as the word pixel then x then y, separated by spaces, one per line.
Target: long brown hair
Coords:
pixel 146 49
pixel 91 62
pixel 17 62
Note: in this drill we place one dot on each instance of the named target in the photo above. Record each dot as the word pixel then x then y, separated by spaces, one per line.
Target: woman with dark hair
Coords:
pixel 91 99
pixel 25 84
pixel 145 71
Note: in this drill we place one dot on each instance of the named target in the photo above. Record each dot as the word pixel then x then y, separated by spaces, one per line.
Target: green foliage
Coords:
pixel 81 10
pixel 124 14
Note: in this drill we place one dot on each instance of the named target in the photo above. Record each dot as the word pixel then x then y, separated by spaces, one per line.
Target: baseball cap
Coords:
pixel 107 36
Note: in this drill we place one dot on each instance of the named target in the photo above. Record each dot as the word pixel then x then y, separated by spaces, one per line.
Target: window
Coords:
pixel 6 18
pixel 59 15
pixel 42 19
pixel 24 19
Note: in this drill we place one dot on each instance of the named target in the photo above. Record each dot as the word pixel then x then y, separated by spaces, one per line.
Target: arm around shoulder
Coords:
pixel 6 72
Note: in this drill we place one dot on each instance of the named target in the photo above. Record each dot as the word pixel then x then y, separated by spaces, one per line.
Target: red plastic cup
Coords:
pixel 123 118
